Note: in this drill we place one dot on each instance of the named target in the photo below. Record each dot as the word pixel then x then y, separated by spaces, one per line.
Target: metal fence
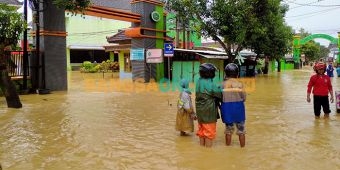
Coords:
pixel 15 63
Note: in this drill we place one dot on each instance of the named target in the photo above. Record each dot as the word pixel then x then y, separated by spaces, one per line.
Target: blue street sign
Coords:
pixel 137 54
pixel 168 49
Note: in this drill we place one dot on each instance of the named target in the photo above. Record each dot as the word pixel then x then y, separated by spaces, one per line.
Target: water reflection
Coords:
pixel 118 130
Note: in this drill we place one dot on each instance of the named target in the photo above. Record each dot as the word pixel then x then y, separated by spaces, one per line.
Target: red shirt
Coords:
pixel 321 85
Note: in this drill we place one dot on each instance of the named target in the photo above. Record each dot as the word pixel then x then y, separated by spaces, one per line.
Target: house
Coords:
pixel 15 3
pixel 120 45
pixel 87 34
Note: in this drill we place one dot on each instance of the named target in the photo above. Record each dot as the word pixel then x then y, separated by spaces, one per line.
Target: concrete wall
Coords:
pixel 52 50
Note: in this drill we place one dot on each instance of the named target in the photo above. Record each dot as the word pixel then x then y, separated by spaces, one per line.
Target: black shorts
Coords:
pixel 321 101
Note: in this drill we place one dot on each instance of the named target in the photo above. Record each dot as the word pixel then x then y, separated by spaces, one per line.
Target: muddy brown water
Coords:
pixel 116 126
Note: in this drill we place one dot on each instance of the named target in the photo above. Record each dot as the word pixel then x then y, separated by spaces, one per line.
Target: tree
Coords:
pixel 234 23
pixel 324 51
pixel 73 6
pixel 270 36
pixel 312 50
pixel 11 26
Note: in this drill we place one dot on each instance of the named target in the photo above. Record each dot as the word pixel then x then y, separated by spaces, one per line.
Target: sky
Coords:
pixel 314 16
pixel 29 11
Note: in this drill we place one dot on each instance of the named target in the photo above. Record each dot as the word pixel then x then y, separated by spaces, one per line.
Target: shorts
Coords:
pixel 229 128
pixel 206 130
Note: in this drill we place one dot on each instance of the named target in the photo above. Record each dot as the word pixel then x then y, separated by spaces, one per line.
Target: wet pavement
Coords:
pixel 119 126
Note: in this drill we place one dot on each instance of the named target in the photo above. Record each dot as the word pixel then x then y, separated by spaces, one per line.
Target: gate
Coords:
pixel 185 69
pixel 190 70
pixel 15 63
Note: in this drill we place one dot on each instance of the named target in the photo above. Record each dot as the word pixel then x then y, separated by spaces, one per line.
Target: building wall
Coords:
pixel 171 31
pixel 122 73
pixel 52 49
pixel 90 32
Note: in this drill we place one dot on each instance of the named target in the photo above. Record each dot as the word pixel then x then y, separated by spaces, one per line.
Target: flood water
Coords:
pixel 114 127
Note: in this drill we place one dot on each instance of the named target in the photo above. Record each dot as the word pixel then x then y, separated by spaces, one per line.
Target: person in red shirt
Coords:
pixel 321 86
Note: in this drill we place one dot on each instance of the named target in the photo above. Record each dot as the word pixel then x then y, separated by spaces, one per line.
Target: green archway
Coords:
pixel 297 43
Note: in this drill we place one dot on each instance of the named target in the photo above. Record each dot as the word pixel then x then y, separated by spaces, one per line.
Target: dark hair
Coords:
pixel 207 70
pixel 231 70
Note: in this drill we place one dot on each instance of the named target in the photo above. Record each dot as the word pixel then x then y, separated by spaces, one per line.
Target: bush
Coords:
pixel 88 67
pixel 105 66
pixel 114 66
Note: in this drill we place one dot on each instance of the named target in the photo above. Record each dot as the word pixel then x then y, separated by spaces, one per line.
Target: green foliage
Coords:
pixel 311 50
pixel 255 24
pixel 11 25
pixel 303 33
pixel 73 6
pixel 324 51
pixel 268 34
pixel 105 66
pixel 88 67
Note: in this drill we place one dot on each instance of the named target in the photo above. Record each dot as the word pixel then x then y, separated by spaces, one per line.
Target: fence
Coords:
pixel 15 63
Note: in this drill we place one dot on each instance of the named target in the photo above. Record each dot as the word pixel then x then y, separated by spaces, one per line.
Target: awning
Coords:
pixel 201 51
pixel 117 47
pixel 216 54
pixel 85 47
pixel 206 53
pixel 212 56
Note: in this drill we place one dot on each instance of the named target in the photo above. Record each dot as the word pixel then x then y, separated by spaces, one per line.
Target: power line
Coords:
pixel 94 32
pixel 314 13
pixel 329 31
pixel 301 5
pixel 312 4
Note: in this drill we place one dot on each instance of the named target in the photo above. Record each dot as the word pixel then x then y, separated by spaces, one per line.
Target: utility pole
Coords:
pixel 183 39
pixel 177 32
pixel 25 59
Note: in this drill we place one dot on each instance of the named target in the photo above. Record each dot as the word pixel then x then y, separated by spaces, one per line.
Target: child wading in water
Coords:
pixel 232 108
pixel 185 111
pixel 321 86
pixel 207 93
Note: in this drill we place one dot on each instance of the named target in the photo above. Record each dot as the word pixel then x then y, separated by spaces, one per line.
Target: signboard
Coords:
pixel 154 56
pixel 168 49
pixel 137 54
pixel 155 16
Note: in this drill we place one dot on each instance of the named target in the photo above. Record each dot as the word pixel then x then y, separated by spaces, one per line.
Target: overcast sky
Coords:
pixel 315 16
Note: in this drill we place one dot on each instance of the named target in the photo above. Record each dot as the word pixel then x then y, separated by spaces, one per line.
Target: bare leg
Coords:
pixel 228 139
pixel 242 139
pixel 208 143
pixel 202 141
